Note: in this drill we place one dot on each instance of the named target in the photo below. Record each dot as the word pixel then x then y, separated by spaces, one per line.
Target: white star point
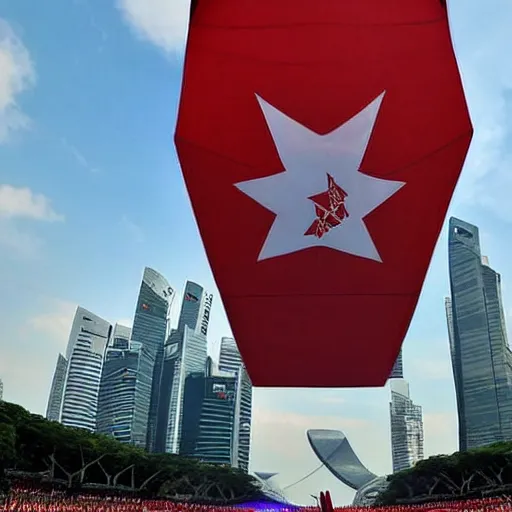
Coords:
pixel 325 166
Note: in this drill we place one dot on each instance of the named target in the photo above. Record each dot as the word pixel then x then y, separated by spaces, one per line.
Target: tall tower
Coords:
pixel 185 353
pixel 397 371
pixel 116 402
pixel 209 426
pixel 148 337
pixel 406 421
pixel 481 358
pixel 84 355
pixel 53 409
pixel 406 427
pixel 230 360
pixel 1 390
pixel 195 309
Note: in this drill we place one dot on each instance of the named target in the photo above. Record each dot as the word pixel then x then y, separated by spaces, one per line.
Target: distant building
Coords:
pixel 116 403
pixel 84 355
pixel 1 390
pixel 195 309
pixel 406 427
pixel 185 353
pixel 398 369
pixel 481 357
pixel 231 361
pixel 150 326
pixel 406 421
pixel 209 424
pixel 53 409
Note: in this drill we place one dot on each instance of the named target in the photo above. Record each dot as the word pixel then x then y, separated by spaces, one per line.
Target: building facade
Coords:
pixel 116 402
pixel 209 423
pixel 195 308
pixel 481 358
pixel 185 353
pixel 397 371
pixel 230 360
pixel 53 409
pixel 88 340
pixel 149 331
pixel 406 427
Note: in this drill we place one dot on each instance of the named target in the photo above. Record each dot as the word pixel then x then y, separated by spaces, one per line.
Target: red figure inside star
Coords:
pixel 330 209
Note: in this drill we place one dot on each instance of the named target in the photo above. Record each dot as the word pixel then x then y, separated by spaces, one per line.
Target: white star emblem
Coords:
pixel 310 160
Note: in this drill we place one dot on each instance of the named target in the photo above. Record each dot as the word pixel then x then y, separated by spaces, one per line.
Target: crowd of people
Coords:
pixel 36 500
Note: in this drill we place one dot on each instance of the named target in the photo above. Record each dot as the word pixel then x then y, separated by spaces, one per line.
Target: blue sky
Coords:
pixel 91 192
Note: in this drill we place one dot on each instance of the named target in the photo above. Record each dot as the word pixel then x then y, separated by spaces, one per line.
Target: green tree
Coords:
pixel 32 445
pixel 484 471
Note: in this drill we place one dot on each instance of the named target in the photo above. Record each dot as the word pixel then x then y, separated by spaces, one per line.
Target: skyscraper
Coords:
pixel 195 309
pixel 397 371
pixel 406 427
pixel 1 390
pixel 209 426
pixel 116 400
pixel 230 360
pixel 84 355
pixel 150 325
pixel 481 358
pixel 185 353
pixel 54 406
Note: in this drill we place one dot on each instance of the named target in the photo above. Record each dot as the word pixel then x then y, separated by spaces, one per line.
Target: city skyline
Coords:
pixel 406 417
pixel 153 386
pixel 91 193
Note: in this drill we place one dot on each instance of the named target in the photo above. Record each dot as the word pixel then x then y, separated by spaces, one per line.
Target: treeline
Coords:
pixel 483 472
pixel 51 454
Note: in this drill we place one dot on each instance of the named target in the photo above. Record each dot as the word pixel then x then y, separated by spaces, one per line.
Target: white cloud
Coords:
pixel 20 204
pixel 18 242
pixel 16 75
pixel 27 365
pixel 23 203
pixel 161 22
pixel 55 323
pixel 485 178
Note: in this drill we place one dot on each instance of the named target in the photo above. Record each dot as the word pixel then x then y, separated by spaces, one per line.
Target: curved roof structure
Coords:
pixel 366 495
pixel 264 476
pixel 333 449
pixel 270 489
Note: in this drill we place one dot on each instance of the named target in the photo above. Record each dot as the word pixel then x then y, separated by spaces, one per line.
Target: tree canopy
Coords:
pixel 485 471
pixel 31 446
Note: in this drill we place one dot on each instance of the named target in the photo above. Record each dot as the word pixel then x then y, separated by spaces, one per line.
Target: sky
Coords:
pixel 91 193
